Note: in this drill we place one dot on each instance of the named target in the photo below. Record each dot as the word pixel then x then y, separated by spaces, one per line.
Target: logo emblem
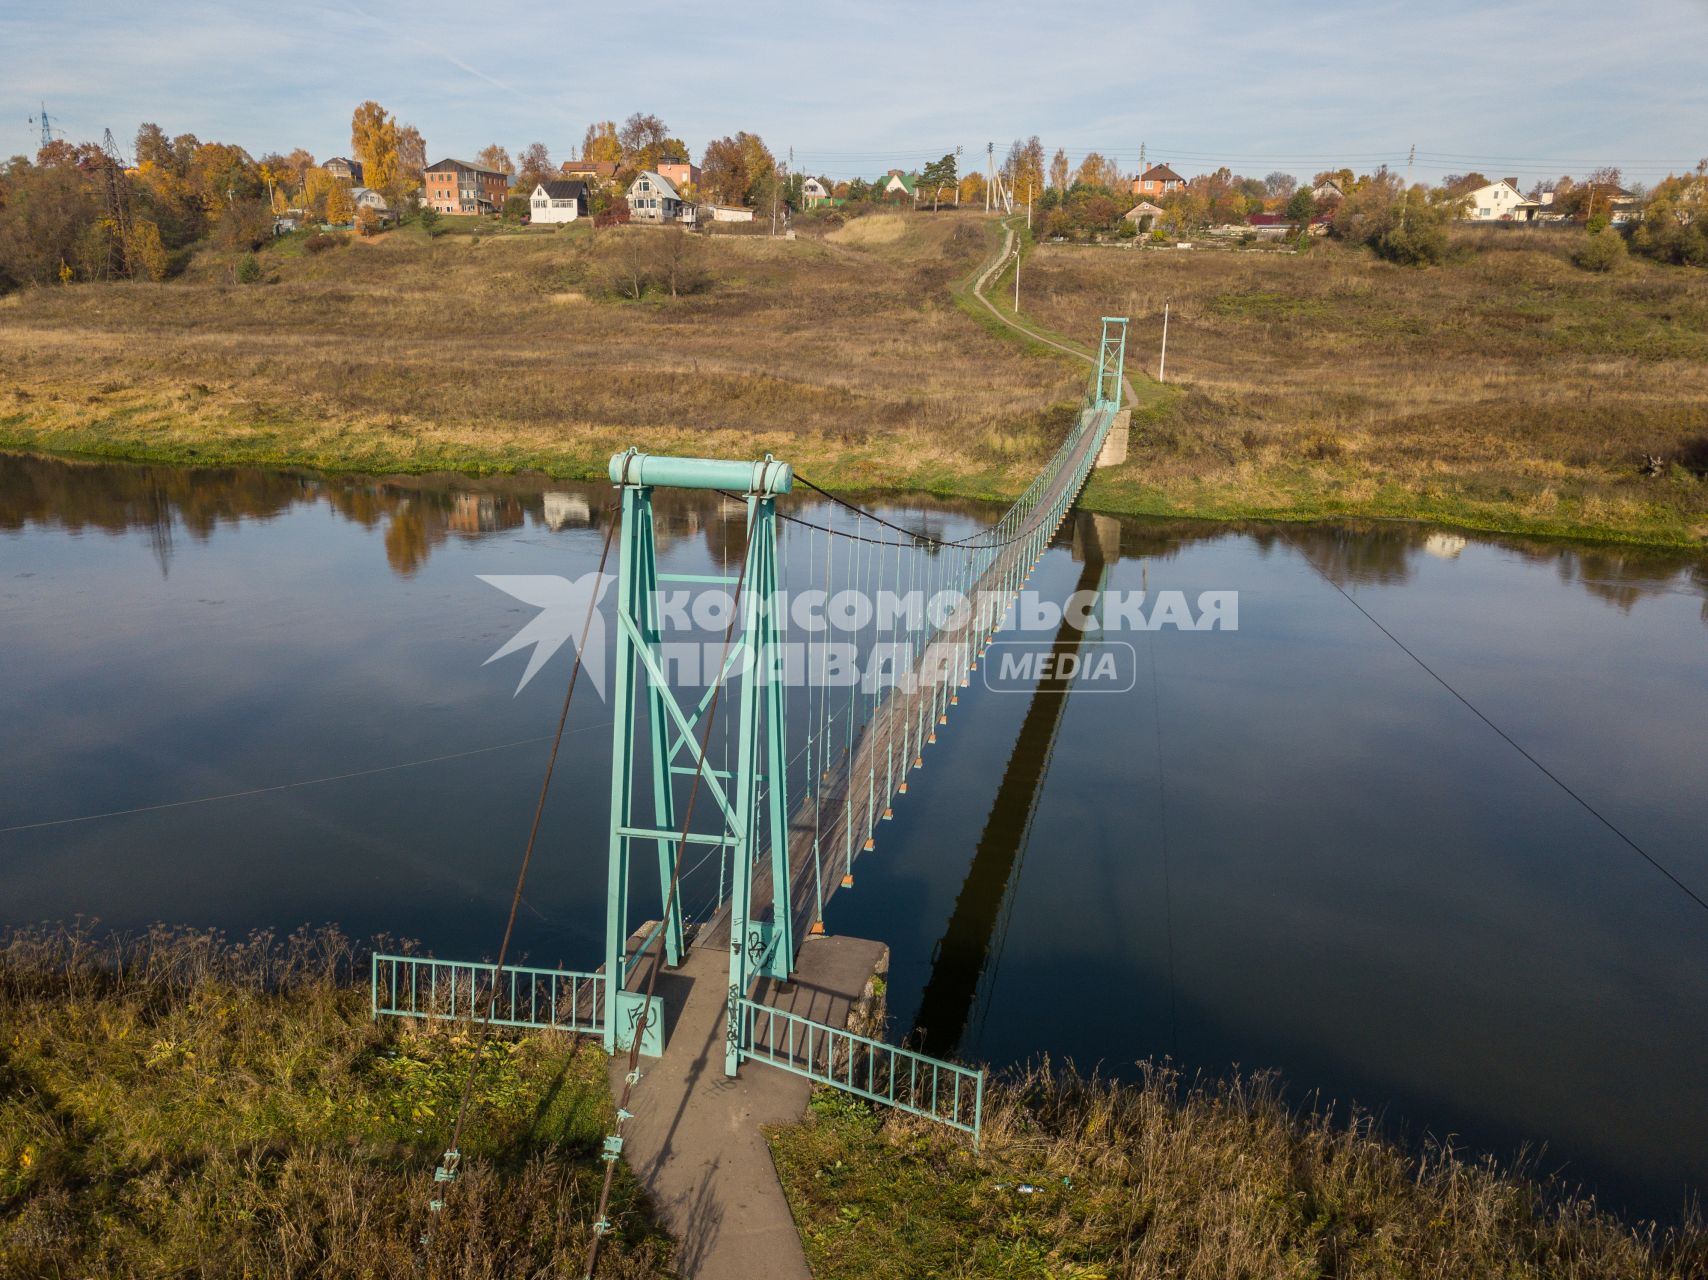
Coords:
pixel 563 607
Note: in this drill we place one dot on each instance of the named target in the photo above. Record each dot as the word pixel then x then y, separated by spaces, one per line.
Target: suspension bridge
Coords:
pixel 750 783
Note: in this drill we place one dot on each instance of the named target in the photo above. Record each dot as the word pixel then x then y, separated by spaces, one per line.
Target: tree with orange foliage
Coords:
pixel 373 140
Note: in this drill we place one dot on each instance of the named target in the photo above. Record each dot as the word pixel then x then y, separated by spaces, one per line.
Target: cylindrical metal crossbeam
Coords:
pixel 764 478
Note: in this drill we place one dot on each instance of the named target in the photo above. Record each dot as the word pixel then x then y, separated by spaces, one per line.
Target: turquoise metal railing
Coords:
pixel 946 1092
pixel 457 990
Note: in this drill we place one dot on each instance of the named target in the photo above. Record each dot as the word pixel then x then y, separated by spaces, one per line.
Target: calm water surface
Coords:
pixel 1287 846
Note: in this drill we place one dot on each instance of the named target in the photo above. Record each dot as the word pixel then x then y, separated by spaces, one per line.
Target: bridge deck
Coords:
pixel 893 734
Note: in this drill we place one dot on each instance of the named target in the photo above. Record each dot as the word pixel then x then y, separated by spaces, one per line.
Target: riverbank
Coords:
pixel 180 1105
pixel 1506 392
pixel 1083 1178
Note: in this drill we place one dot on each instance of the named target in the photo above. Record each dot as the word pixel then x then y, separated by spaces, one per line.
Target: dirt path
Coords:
pixel 989 271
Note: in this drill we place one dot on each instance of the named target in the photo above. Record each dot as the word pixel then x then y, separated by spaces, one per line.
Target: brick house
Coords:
pixel 1158 180
pixel 456 186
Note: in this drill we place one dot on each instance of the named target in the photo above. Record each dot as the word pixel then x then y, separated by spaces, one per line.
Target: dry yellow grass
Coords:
pixel 494 354
pixel 1507 389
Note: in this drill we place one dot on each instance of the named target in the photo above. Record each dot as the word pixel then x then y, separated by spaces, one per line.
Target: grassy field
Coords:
pixel 178 1106
pixel 1083 1180
pixel 1507 390
pixel 502 352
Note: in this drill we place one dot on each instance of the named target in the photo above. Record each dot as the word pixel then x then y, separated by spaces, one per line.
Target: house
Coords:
pixel 1327 191
pixel 369 198
pixel 348 172
pixel 456 186
pixel 562 200
pixel 896 186
pixel 1275 226
pixel 593 172
pixel 1143 215
pixel 814 193
pixel 680 173
pixel 1158 180
pixel 1497 202
pixel 653 198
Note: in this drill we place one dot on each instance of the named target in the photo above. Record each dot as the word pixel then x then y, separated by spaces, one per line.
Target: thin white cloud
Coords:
pixel 857 88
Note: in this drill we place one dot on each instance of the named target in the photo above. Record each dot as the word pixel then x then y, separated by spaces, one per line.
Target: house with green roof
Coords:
pixel 897 186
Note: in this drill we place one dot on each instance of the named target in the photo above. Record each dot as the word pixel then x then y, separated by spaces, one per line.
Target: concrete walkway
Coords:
pixel 695 1140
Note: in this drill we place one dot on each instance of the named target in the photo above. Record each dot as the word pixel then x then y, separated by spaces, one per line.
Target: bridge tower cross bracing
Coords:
pixel 748 803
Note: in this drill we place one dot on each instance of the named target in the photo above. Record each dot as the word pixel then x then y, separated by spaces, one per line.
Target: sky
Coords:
pixel 1525 89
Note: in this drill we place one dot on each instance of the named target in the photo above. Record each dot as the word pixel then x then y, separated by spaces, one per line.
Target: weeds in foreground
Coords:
pixel 177 1104
pixel 1086 1178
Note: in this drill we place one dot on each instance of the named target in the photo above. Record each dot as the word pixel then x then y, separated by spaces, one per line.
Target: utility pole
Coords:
pixel 1410 161
pixel 989 172
pixel 1162 364
pixel 1017 277
pixel 957 175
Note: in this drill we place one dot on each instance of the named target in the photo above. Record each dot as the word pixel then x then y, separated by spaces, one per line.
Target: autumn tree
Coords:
pixel 42 216
pixel 638 134
pixel 1095 171
pixel 1023 170
pixel 599 145
pixel 534 165
pixel 339 206
pixel 1059 170
pixel 738 170
pixel 145 252
pixel 972 188
pixel 373 141
pixel 411 154
pixel 1674 225
pixel 495 158
pixel 153 146
pixel 1280 186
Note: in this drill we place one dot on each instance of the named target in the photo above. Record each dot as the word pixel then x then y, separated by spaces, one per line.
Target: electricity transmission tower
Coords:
pixel 115 192
pixel 47 126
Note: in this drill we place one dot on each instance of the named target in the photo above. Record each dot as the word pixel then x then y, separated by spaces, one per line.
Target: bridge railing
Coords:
pixel 458 990
pixel 946 1092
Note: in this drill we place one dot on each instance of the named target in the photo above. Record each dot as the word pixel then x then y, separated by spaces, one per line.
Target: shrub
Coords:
pixel 430 221
pixel 320 242
pixel 1601 251
pixel 1416 242
pixel 248 269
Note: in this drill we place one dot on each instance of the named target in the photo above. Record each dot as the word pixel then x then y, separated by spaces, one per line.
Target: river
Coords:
pixel 253 700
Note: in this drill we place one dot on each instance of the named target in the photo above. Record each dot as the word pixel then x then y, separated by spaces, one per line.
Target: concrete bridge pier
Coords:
pixel 1114 451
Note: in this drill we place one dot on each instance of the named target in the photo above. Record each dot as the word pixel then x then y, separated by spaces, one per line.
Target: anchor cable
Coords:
pixel 632 1076
pixel 452 1159
pixel 1512 742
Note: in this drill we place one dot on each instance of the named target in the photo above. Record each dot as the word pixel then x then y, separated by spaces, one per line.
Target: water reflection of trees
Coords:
pixel 417 514
pixel 1384 552
pixel 421 513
